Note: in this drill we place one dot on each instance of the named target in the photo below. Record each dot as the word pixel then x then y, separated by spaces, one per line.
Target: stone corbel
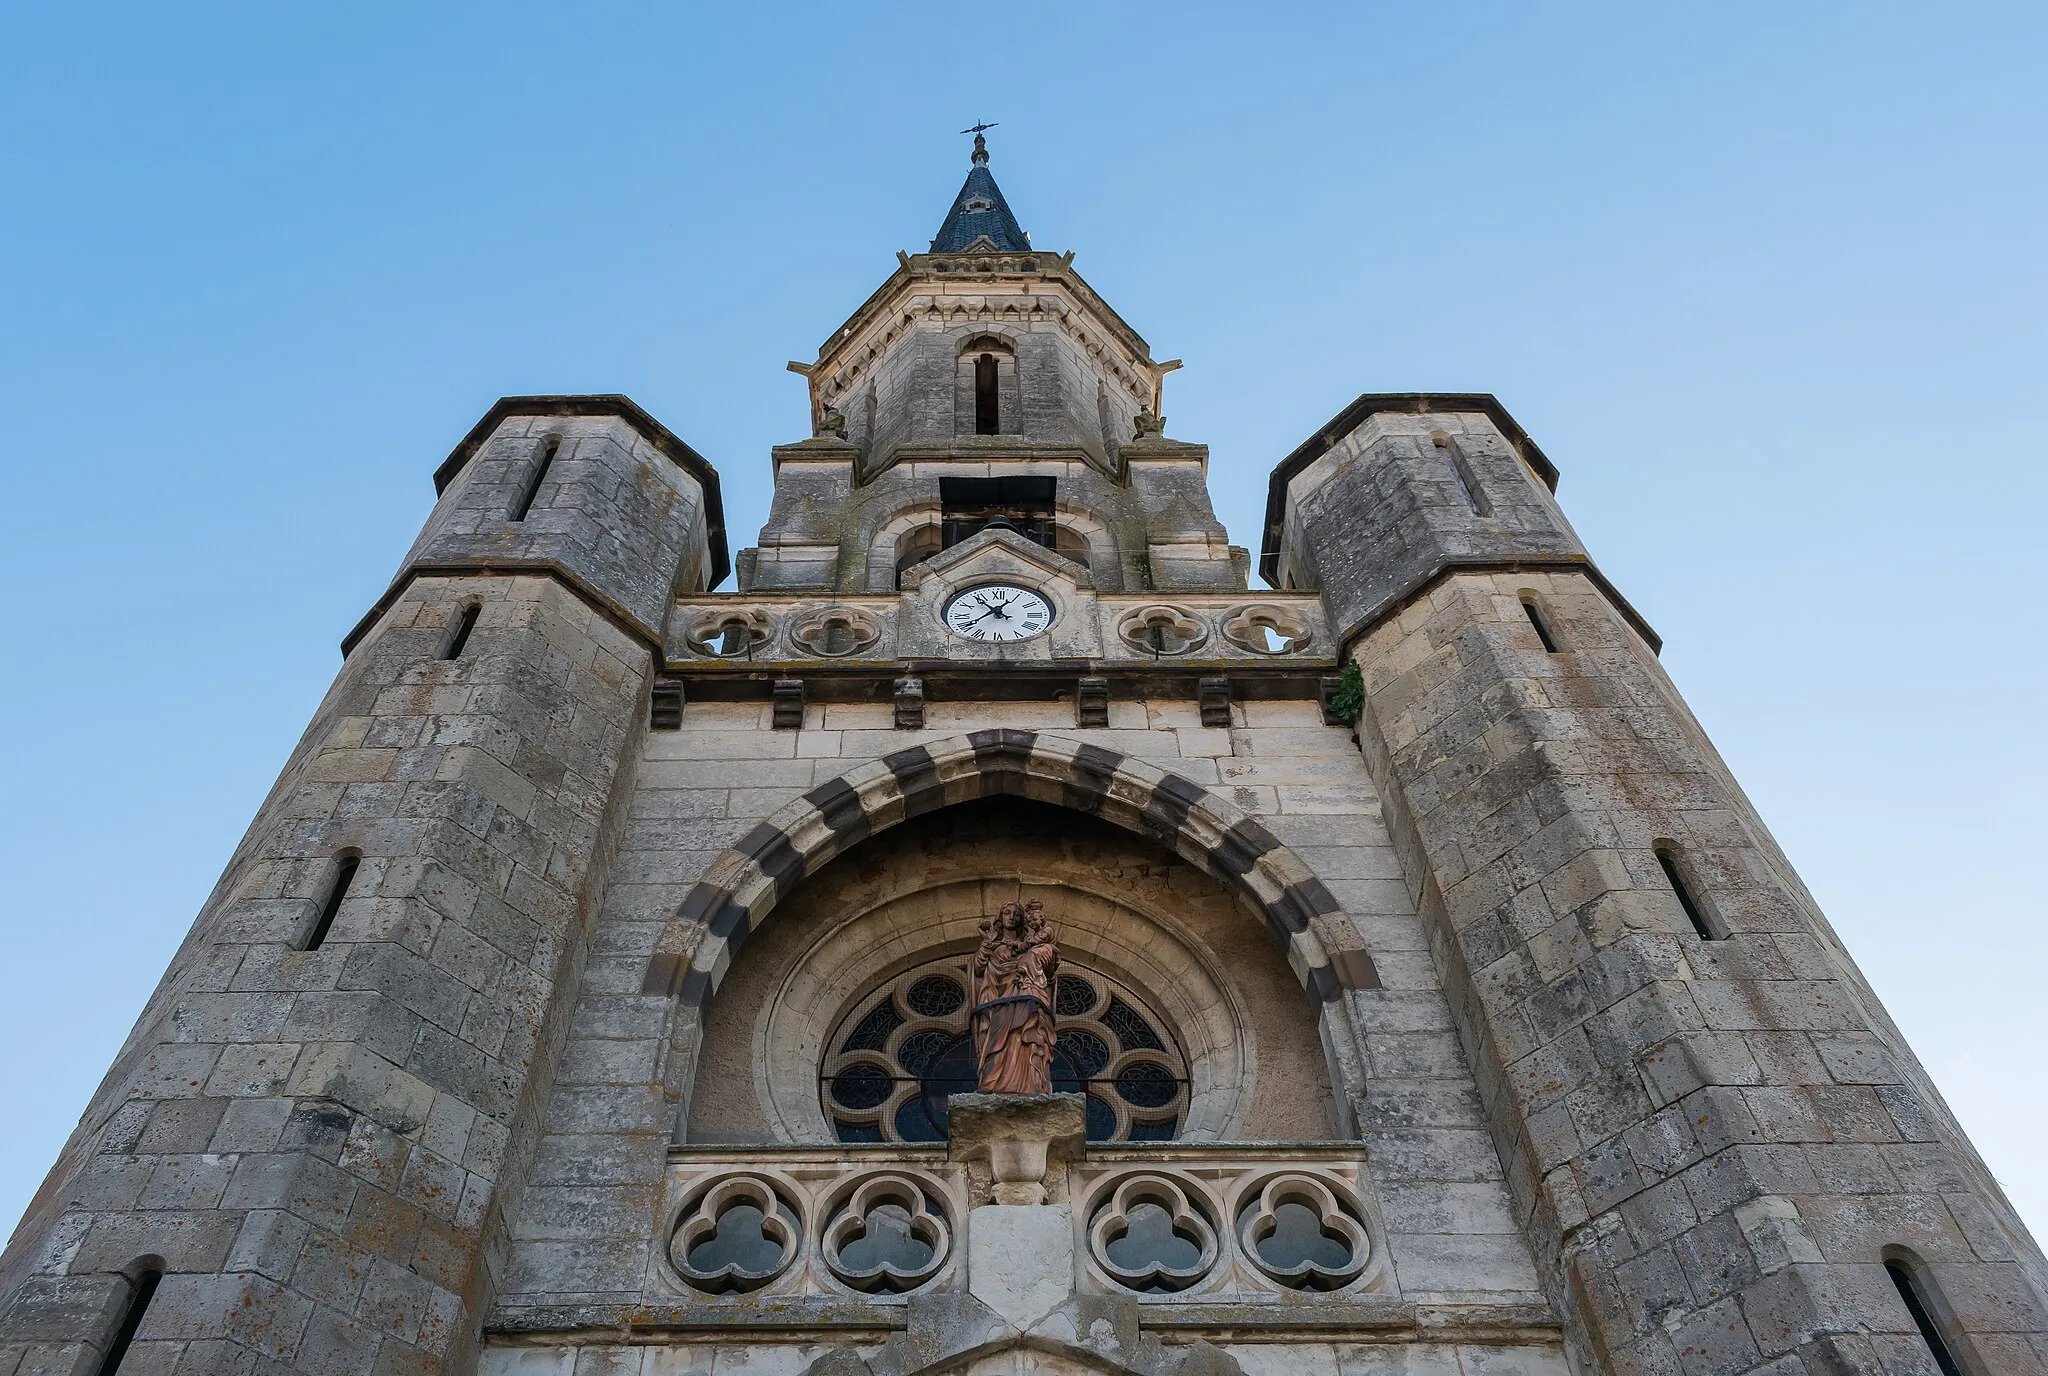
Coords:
pixel 1017 1136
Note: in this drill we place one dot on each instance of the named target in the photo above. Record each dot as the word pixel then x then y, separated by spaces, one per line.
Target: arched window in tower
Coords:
pixel 900 1054
pixel 458 639
pixel 1697 912
pixel 142 1284
pixel 986 402
pixel 916 547
pixel 535 479
pixel 985 395
pixel 345 868
pixel 1917 1292
pixel 1541 622
pixel 1461 469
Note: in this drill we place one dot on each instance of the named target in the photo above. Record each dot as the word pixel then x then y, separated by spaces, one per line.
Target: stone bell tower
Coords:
pixel 596 992
pixel 985 351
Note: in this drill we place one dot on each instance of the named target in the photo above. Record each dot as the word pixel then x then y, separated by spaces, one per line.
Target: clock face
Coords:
pixel 998 612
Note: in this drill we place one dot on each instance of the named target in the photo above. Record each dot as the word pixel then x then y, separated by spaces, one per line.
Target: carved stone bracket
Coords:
pixel 909 700
pixel 1018 1136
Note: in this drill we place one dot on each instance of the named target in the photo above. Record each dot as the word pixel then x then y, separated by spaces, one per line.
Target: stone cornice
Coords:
pixel 1404 597
pixel 561 573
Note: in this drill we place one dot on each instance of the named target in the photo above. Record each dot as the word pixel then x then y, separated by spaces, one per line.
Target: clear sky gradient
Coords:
pixel 1766 282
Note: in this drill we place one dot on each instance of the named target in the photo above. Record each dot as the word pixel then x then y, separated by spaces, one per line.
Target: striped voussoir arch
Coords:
pixel 743 884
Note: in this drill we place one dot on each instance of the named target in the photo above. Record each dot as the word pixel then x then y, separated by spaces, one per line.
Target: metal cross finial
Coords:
pixel 980 143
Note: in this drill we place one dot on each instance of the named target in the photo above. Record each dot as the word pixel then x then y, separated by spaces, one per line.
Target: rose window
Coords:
pixel 902 1052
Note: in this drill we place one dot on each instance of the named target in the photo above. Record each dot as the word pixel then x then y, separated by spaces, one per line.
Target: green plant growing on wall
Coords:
pixel 1349 701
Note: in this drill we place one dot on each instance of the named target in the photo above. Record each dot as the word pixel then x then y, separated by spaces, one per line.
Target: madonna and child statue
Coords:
pixel 1016 1122
pixel 1013 1012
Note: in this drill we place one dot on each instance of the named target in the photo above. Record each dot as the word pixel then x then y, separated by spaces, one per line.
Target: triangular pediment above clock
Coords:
pixel 995 554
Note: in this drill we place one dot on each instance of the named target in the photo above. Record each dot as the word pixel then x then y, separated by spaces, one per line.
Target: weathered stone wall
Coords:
pixel 587 1234
pixel 1387 507
pixel 895 371
pixel 826 531
pixel 315 1143
pixel 615 515
pixel 1716 1143
pixel 917 389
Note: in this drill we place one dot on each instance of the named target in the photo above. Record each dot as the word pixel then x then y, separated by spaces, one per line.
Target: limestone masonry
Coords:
pixel 591 994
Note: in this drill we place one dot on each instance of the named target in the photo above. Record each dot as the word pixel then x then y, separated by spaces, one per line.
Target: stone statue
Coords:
pixel 1145 424
pixel 1013 975
pixel 833 422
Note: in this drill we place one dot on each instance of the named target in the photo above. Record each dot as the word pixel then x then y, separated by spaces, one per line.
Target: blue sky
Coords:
pixel 1766 282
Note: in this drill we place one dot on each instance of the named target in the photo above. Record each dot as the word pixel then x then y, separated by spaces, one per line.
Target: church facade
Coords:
pixel 595 991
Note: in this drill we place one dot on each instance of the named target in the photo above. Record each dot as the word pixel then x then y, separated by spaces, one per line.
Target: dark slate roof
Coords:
pixel 963 226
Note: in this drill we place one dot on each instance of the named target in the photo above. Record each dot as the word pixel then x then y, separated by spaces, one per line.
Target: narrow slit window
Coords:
pixel 460 639
pixel 344 876
pixel 1461 467
pixel 1536 619
pixel 540 475
pixel 1909 1284
pixel 143 1291
pixel 1694 913
pixel 985 396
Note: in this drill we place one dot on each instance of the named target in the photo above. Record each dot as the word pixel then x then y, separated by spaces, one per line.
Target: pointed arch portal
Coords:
pixel 743 885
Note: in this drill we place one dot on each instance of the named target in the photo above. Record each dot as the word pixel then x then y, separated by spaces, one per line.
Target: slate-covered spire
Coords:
pixel 980 210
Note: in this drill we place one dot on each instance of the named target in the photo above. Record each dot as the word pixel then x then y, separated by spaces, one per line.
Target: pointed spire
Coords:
pixel 980 211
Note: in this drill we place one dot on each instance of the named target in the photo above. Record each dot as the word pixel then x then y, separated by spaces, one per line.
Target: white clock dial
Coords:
pixel 998 612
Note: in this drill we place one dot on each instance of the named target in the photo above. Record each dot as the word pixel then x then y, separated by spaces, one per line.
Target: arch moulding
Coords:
pixel 743 885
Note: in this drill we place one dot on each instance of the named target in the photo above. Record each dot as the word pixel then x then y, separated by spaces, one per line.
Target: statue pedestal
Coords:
pixel 1019 1135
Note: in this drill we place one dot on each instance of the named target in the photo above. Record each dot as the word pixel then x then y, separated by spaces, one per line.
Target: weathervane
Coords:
pixel 980 144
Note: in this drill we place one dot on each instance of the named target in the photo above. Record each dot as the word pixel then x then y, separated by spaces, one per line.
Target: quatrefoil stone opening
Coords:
pixel 1162 629
pixel 1266 629
pixel 835 632
pixel 730 633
